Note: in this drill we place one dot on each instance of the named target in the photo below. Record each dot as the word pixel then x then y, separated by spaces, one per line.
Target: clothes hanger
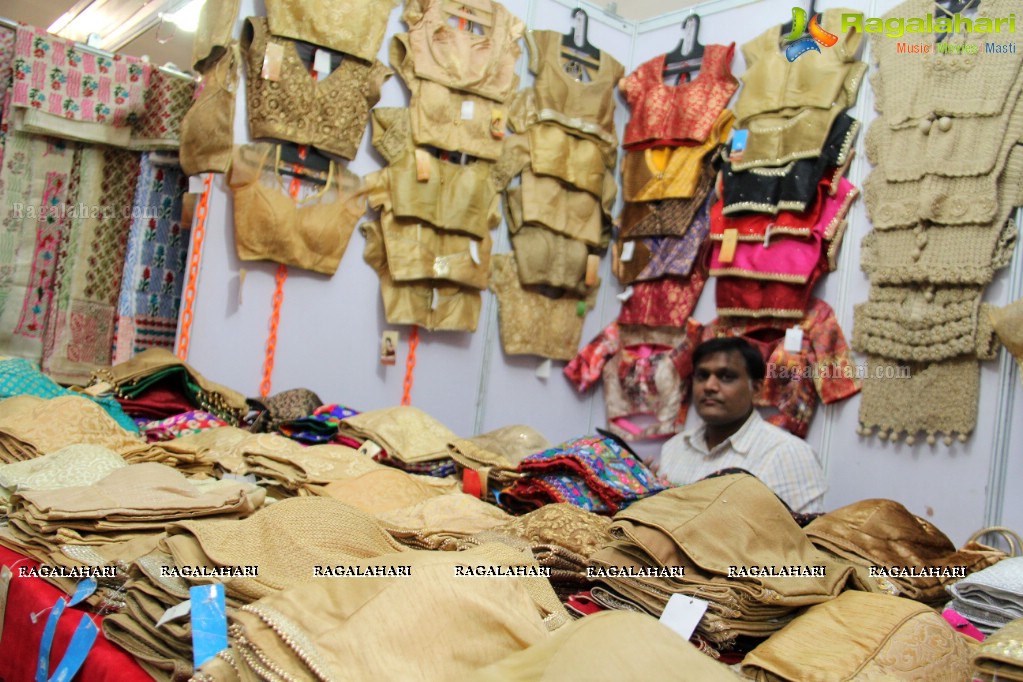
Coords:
pixel 954 7
pixel 687 56
pixel 575 44
pixel 786 28
pixel 474 11
pixel 306 163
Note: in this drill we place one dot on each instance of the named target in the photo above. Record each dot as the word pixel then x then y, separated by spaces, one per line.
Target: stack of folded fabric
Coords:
pixel 273 550
pixel 70 466
pixel 357 621
pixel 444 522
pixel 991 598
pixel 487 462
pixel 318 427
pixel 595 473
pixel 754 583
pixel 402 437
pixel 864 636
pixel 116 519
pixel 948 173
pixel 916 560
pixel 1000 656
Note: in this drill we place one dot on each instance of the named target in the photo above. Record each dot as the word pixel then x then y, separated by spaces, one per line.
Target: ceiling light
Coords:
pixel 186 18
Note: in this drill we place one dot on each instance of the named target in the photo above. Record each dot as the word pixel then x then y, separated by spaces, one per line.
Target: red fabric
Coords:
pixel 161 400
pixel 471 484
pixel 21 637
pixel 753 226
pixel 667 302
pixel 678 115
pixel 758 298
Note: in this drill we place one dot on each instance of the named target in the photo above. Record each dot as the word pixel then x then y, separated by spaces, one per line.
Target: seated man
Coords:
pixel 728 373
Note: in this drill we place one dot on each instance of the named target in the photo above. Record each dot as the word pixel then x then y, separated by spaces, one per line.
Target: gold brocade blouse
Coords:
pixel 459 59
pixel 433 305
pixel 214 33
pixel 546 257
pixel 312 233
pixel 330 114
pixel 417 251
pixel 355 27
pixel 450 196
pixel 671 172
pixel 546 201
pixel 207 129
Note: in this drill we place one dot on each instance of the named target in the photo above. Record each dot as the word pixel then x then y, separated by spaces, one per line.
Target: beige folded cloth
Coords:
pixel 406 433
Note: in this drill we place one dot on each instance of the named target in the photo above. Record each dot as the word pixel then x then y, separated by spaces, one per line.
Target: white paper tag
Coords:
pixel 5 585
pixel 435 300
pixel 628 250
pixel 175 612
pixel 544 370
pixel 370 449
pixel 242 273
pixel 468 110
pixel 247 478
pixel 196 184
pixel 625 295
pixel 474 251
pixel 321 61
pixel 794 339
pixel 683 614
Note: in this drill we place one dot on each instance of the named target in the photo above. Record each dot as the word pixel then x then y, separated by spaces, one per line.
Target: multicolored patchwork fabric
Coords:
pixel 554 488
pixel 179 425
pixel 19 376
pixel 320 427
pixel 53 76
pixel 6 80
pixel 154 267
pixel 167 100
pixel 604 467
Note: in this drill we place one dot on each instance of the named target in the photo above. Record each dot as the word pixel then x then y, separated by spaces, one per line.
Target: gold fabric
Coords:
pixel 563 525
pixel 546 257
pixel 557 153
pixel 74 465
pixel 608 647
pixel 432 304
pixel 456 197
pixel 310 233
pixel 418 251
pixel 884 533
pixel 1008 324
pixel 544 200
pixel 406 433
pixel 512 443
pixel 213 35
pixel 330 114
pixel 355 27
pixel 531 322
pixel 1000 656
pixel 442 523
pixel 383 490
pixel 207 130
pixel 671 172
pixel 864 636
pixel 460 59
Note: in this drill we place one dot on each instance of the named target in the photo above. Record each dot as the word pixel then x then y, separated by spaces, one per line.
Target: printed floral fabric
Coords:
pixel 80 332
pixel 34 186
pixel 154 267
pixel 167 100
pixel 7 36
pixel 179 425
pixel 52 76
pixel 592 472
pixel 666 302
pixel 823 367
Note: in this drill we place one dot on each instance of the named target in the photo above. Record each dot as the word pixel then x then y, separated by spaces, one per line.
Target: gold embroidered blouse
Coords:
pixel 355 27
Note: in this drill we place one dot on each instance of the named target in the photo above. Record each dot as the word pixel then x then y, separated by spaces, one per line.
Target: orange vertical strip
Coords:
pixel 194 260
pixel 410 366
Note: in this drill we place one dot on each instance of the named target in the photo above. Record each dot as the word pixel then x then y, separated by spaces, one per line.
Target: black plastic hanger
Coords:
pixel 687 56
pixel 308 164
pixel 577 40
pixel 811 12
pixel 954 7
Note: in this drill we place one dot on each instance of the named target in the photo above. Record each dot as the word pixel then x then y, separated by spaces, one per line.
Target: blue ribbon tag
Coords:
pixel 739 139
pixel 43 667
pixel 83 591
pixel 77 651
pixel 209 622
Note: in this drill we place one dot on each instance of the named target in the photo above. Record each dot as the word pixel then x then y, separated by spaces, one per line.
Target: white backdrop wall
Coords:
pixel 330 327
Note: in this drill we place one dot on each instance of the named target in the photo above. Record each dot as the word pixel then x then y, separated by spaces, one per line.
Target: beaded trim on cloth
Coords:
pixel 1000 656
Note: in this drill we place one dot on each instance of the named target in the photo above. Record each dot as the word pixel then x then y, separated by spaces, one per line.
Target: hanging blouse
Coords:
pixel 786 258
pixel 668 217
pixel 822 368
pixel 792 187
pixel 63 92
pixel 531 322
pixel 355 27
pixel 330 114
pixel 577 161
pixel 433 305
pixel 743 297
pixel 214 32
pixel 311 233
pixel 450 196
pixel 666 302
pixel 417 251
pixel 580 107
pixel 655 257
pixel 207 129
pixel 646 371
pixel 459 59
pixel 825 213
pixel 681 114
pixel 550 259
pixel 543 200
pixel 671 172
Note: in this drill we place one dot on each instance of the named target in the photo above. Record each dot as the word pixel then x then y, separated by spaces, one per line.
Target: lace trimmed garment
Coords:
pixel 355 27
pixel 330 114
pixel 311 233
pixel 822 368
pixel 682 114
pixel 646 371
pixel 1000 656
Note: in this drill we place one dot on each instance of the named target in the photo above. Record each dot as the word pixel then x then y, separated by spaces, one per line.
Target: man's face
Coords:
pixel 722 389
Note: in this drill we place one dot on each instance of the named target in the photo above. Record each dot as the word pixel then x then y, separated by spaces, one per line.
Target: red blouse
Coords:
pixel 677 115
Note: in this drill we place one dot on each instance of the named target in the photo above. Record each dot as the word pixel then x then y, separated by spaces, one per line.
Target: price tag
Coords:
pixel 628 250
pixel 83 591
pixel 370 449
pixel 474 251
pixel 209 622
pixel 321 62
pixel 196 184
pixel 728 244
pixel 468 110
pixel 592 268
pixel 175 612
pixel 423 164
pixel 683 614
pixel 544 370
pixel 626 295
pixel 435 301
pixel 739 139
pixel 5 586
pixel 794 339
pixel 272 60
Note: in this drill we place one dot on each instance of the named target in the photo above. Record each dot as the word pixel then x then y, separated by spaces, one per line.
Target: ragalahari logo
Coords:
pixel 800 44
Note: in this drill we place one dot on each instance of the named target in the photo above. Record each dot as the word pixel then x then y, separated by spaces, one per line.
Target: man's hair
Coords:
pixel 755 366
